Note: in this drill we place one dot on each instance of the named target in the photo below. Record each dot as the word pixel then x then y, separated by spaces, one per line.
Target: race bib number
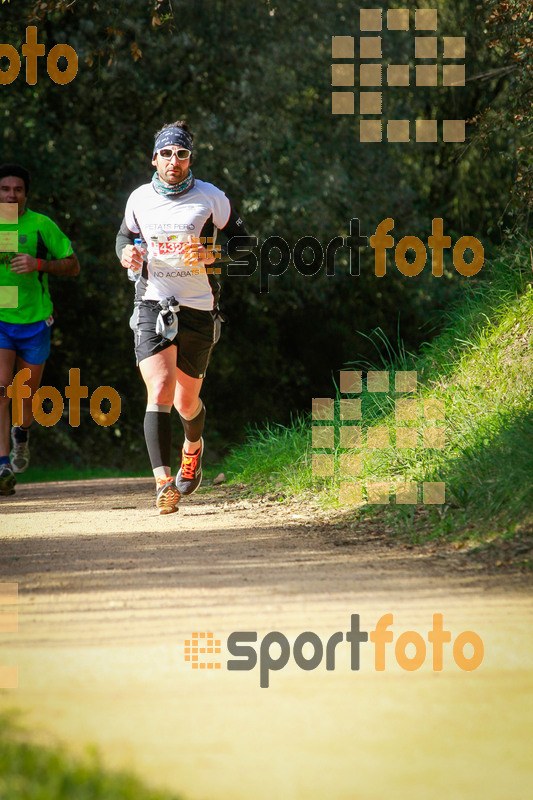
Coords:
pixel 165 250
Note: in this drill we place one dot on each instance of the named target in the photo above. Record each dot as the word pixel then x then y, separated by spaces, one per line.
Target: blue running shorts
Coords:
pixel 30 341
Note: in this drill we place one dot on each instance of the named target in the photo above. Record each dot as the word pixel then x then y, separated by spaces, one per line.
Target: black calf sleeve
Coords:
pixel 194 427
pixel 157 433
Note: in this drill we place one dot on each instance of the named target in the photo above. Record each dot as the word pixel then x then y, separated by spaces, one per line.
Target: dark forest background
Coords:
pixel 254 81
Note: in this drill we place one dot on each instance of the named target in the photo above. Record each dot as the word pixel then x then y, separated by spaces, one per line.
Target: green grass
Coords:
pixel 272 456
pixel 481 367
pixel 31 771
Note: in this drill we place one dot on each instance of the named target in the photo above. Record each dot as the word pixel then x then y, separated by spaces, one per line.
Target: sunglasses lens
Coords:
pixel 167 154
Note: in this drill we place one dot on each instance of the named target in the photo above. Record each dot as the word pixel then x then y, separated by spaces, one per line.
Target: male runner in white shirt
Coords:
pixel 176 318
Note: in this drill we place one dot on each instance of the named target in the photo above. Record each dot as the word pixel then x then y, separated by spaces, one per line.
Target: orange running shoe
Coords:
pixel 167 498
pixel 189 476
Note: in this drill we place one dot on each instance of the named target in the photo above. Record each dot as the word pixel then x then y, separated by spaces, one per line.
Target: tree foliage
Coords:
pixel 254 81
pixel 509 25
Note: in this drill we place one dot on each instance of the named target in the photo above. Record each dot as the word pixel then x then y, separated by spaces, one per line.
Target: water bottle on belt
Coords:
pixel 167 319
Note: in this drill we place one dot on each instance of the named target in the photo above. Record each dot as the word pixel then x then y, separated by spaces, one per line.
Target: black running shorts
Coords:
pixel 198 332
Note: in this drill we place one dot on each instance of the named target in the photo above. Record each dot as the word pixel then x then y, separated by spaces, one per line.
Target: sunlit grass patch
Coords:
pixel 480 368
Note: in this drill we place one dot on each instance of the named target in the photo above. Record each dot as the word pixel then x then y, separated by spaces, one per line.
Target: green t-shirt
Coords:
pixel 38 236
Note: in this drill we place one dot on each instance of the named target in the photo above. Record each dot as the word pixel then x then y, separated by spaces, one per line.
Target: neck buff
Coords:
pixel 172 189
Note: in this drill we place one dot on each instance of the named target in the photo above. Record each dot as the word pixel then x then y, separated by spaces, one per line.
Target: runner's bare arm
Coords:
pixel 22 263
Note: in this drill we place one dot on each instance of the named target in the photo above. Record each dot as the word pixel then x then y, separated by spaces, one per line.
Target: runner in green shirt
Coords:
pixel 31 248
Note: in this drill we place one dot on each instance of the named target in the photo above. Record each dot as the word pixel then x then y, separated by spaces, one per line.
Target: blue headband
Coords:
pixel 172 136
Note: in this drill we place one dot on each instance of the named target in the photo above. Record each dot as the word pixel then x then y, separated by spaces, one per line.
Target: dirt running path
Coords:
pixel 109 592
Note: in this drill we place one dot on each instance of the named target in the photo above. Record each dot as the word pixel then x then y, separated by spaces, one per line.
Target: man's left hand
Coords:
pixel 194 253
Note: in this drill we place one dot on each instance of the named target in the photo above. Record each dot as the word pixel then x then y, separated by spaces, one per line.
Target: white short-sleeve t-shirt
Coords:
pixel 165 223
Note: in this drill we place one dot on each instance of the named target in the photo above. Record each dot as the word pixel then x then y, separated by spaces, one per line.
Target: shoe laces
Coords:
pixel 162 481
pixel 189 463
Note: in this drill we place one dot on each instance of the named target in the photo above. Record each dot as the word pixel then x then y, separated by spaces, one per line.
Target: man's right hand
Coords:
pixel 131 258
